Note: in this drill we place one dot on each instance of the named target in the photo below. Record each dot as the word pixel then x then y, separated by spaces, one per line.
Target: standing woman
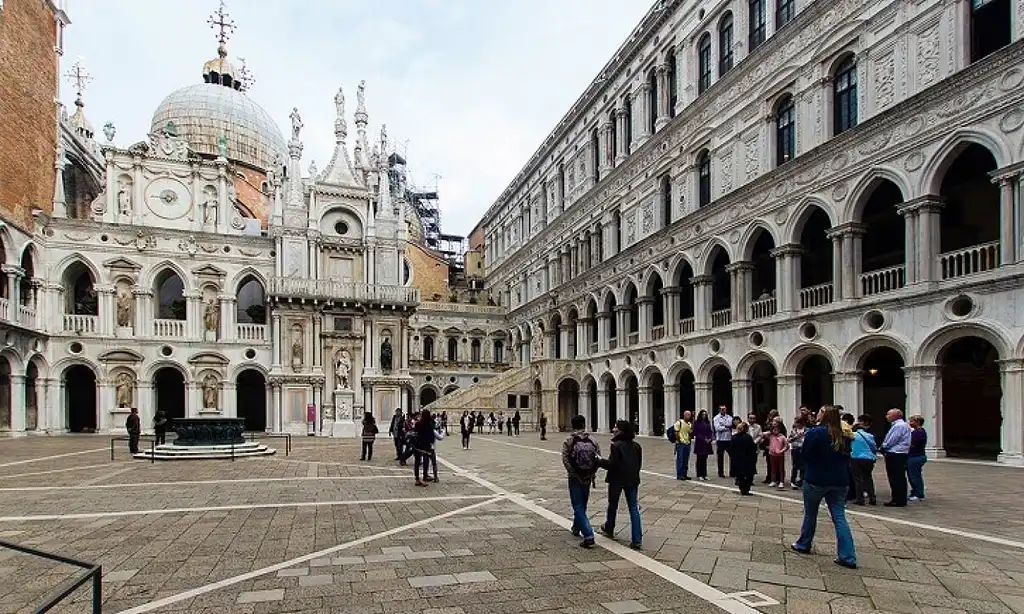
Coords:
pixel 370 431
pixel 623 464
pixel 422 444
pixel 743 457
pixel 702 438
pixel 515 422
pixel 826 477
pixel 465 428
pixel 916 458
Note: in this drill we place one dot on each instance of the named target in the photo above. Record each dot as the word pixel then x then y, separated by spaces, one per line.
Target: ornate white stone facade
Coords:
pixel 671 246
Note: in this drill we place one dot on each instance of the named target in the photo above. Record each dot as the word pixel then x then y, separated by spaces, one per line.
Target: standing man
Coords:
pixel 722 426
pixel 896 449
pixel 543 427
pixel 579 457
pixel 134 426
pixel 397 433
pixel 684 437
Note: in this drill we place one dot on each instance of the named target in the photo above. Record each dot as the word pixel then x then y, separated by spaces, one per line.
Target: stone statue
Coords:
pixel 339 102
pixel 124 198
pixel 222 146
pixel 210 315
pixel 125 302
pixel 125 388
pixel 210 391
pixel 343 411
pixel 297 353
pixel 341 372
pixel 210 211
pixel 296 123
pixel 361 96
pixel 385 354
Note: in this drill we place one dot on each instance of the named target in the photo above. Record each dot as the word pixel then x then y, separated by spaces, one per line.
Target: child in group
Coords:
pixel 778 445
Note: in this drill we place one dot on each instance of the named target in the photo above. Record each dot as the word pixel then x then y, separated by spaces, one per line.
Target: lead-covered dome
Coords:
pixel 204 112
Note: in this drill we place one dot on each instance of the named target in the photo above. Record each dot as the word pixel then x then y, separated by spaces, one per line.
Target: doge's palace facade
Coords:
pixel 772 203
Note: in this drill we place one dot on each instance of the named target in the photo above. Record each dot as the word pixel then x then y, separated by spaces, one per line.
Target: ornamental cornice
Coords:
pixel 922 203
pixel 1007 173
pixel 849 228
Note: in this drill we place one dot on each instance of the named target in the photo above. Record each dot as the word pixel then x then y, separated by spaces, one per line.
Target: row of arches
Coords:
pixel 454 347
pixel 968 413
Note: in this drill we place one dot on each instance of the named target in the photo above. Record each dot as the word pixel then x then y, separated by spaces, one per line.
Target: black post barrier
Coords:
pixel 152 450
pixel 92 572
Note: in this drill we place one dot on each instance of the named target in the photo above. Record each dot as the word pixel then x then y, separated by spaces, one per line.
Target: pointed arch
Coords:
pixel 752 234
pixel 935 170
pixel 76 258
pixel 652 275
pixel 865 186
pixel 164 265
pixel 711 252
pixel 803 212
pixel 7 242
pixel 32 251
pixel 242 276
pixel 627 287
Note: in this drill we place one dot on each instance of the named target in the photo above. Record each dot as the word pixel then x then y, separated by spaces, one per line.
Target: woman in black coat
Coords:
pixel 422 442
pixel 743 458
pixel 623 465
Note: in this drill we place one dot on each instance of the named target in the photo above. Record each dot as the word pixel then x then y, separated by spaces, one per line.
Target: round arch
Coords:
pixel 750 236
pixel 7 242
pixel 704 372
pixel 747 362
pixel 804 211
pixel 62 365
pixel 853 358
pixel 796 357
pixel 865 186
pixel 246 366
pixel 681 261
pixel 344 209
pixel 929 350
pixel 243 277
pixel 935 170
pixel 605 377
pixel 427 394
pixel 677 368
pixel 155 271
pixel 626 373
pixel 42 366
pixel 150 371
pixel 15 360
pixel 564 378
pixel 710 252
pixel 648 372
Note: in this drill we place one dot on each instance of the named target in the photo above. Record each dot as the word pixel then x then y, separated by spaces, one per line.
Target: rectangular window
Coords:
pixel 758 30
pixel 784 13
pixel 511 401
pixel 704 64
pixel 524 401
pixel 991 27
pixel 725 51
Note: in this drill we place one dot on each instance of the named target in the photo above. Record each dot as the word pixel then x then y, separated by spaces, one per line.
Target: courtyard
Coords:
pixel 319 531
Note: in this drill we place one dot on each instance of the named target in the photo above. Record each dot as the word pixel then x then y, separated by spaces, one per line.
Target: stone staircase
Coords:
pixel 488 395
pixel 170 451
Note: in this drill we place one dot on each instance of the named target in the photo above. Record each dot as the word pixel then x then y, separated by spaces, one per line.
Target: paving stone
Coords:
pixel 475 576
pixel 427 581
pixel 317 580
pixel 294 572
pixel 122 575
pixel 276 594
pixel 625 607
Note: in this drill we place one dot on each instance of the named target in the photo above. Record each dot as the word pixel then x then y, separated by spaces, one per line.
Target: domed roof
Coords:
pixel 204 112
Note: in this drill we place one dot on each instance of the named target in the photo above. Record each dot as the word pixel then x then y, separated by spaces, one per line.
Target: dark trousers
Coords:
pixel 515 427
pixel 744 482
pixel 797 475
pixel 721 449
pixel 896 471
pixel 465 439
pixel 702 465
pixel 777 468
pixel 161 436
pixel 367 451
pixel 133 442
pixel 421 458
pixel 399 445
pixel 544 432
pixel 863 482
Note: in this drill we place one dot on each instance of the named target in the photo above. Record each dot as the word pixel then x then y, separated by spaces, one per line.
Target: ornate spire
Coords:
pixel 361 147
pixel 245 76
pixel 339 170
pixel 340 125
pixel 219 70
pixel 221 22
pixel 80 78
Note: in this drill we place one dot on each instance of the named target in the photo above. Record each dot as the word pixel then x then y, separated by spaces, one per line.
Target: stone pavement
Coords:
pixel 318 531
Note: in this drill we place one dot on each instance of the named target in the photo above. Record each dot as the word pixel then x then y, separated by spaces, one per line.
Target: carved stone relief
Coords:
pixel 928 56
pixel 726 165
pixel 885 80
pixel 752 158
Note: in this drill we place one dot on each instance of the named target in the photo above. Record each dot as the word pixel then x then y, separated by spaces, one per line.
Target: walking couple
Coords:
pixel 581 457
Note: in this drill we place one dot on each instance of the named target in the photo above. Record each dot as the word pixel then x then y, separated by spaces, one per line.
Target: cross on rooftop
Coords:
pixel 222 23
pixel 78 76
pixel 245 76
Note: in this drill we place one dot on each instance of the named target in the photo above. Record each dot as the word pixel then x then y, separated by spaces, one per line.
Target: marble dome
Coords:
pixel 206 111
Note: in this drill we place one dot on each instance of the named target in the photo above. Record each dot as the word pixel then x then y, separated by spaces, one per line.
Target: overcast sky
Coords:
pixel 471 87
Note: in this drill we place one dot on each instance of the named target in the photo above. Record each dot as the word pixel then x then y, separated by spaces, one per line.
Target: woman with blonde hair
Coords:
pixel 826 477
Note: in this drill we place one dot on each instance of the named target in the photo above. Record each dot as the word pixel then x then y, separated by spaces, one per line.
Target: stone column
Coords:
pixel 318 351
pixel 228 318
pixel 229 399
pixel 1012 438
pixel 702 301
pixel 928 220
pixel 17 405
pixel 193 316
pixel 787 276
pixel 47 421
pixel 739 275
pixel 848 388
pixel 602 410
pixel 664 96
pixel 642 132
pixel 702 392
pixel 277 407
pixel 107 401
pixel 621 406
pixel 145 400
pixel 1007 238
pixel 583 407
pixel 787 387
pixel 106 308
pixel 646 411
pixel 670 300
pixel 910 259
pixel 742 393
pixel 621 118
pixel 645 307
pixel 671 393
pixel 607 155
pixel 582 345
pixel 603 331
pixel 278 338
pixel 622 321
pixel 563 341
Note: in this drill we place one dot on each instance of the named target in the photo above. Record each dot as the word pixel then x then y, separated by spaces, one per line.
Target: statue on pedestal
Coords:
pixel 125 302
pixel 385 355
pixel 125 388
pixel 124 198
pixel 210 315
pixel 210 391
pixel 342 370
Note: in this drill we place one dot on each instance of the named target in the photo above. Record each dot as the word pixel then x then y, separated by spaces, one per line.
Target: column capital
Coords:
pixel 788 379
pixel 702 280
pixel 1007 173
pixel 645 300
pixel 671 291
pixel 742 265
pixel 13 269
pixel 849 228
pixel 928 202
pixel 604 315
pixel 670 388
pixel 789 249
pixel 1011 365
pixel 622 308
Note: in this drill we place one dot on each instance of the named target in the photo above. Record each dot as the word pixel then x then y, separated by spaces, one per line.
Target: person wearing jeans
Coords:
pixel 916 458
pixel 684 438
pixel 863 454
pixel 896 448
pixel 722 426
pixel 623 465
pixel 579 483
pixel 826 478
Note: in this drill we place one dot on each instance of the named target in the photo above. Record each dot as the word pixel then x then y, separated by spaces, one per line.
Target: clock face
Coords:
pixel 168 198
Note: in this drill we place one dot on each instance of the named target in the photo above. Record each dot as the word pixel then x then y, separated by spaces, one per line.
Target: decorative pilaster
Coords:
pixel 621 116
pixel 702 301
pixel 645 308
pixel 645 411
pixel 664 96
pixel 787 275
pixel 1012 438
pixel 670 301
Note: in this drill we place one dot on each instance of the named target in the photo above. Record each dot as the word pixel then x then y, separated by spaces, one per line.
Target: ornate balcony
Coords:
pixel 334 291
pixel 883 280
pixel 970 260
pixel 81 324
pixel 169 329
pixel 252 332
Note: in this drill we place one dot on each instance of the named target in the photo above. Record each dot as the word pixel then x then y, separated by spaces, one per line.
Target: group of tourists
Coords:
pixel 414 435
pixel 474 421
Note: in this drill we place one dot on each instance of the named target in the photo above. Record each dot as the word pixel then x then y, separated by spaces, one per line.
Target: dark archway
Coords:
pixel 427 396
pixel 687 393
pixel 884 386
pixel 80 399
pixel 592 395
pixel 31 396
pixel 816 283
pixel 721 388
pixel 251 399
pixel 657 401
pixel 762 277
pixel 169 388
pixel 568 403
pixel 721 289
pixel 610 394
pixel 883 257
pixel 5 393
pixel 763 389
pixel 970 218
pixel 972 394
pixel 816 382
pixel 632 412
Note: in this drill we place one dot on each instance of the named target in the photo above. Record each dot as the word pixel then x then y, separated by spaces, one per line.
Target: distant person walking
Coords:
pixel 543 427
pixel 515 423
pixel 397 433
pixel 369 435
pixel 465 428
pixel 623 464
pixel 579 457
pixel 160 427
pixel 134 427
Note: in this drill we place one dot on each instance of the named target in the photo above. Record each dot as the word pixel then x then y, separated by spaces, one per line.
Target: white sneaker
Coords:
pixel 774 485
pixel 782 486
pixel 913 499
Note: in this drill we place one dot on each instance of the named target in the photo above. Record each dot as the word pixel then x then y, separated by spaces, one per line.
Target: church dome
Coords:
pixel 204 112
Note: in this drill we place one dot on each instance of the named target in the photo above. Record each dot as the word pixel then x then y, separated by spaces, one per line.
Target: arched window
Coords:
pixel 170 292
pixel 428 348
pixel 474 350
pixel 666 199
pixel 673 83
pixel 595 153
pixel 704 64
pixel 250 302
pixel 725 51
pixel 652 99
pixel 785 130
pixel 758 30
pixel 990 27
pixel 784 12
pixel 453 349
pixel 844 96
pixel 499 351
pixel 613 142
pixel 616 232
pixel 628 105
pixel 703 178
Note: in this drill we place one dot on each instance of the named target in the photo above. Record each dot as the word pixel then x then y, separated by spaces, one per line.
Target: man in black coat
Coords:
pixel 623 465
pixel 397 432
pixel 134 426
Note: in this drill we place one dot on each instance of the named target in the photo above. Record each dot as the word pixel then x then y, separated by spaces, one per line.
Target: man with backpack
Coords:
pixel 681 434
pixel 580 454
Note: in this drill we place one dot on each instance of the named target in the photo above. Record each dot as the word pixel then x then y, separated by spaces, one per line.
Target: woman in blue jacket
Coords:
pixel 826 477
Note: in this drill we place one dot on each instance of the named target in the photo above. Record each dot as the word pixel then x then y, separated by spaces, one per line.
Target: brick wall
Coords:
pixel 248 192
pixel 28 115
pixel 430 273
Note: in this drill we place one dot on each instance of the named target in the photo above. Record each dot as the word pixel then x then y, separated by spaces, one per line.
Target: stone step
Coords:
pixel 173 452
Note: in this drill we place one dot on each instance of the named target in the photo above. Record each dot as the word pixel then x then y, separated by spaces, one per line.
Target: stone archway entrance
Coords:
pixel 568 403
pixel 592 410
pixel 657 400
pixel 169 389
pixel 971 399
pixel 816 382
pixel 80 399
pixel 721 389
pixel 251 399
pixel 427 396
pixel 763 389
pixel 884 386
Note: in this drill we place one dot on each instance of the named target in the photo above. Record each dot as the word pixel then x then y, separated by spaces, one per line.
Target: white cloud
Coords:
pixel 473 86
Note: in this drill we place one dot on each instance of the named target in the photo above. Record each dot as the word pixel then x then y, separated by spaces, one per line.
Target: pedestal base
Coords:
pixel 171 451
pixel 210 335
pixel 345 428
pixel 124 332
